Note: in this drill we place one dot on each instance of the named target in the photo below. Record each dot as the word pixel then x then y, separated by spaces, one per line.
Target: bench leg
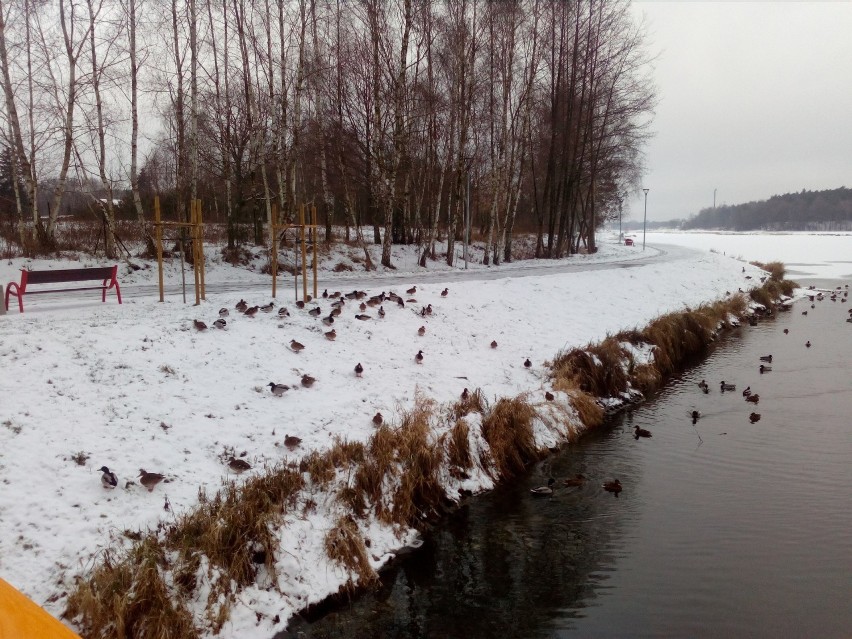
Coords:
pixel 17 293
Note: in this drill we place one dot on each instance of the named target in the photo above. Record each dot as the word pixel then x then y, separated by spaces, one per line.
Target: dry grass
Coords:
pixel 508 430
pixel 596 369
pixel 458 447
pixel 776 270
pixel 475 403
pixel 345 545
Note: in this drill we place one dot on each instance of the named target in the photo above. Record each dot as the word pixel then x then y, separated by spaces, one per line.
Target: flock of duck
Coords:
pixel 750 397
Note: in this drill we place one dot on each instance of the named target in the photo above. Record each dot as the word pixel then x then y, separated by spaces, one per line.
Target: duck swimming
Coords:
pixel 576 480
pixel 754 399
pixel 613 486
pixel 754 417
pixel 544 491
pixel 765 369
pixel 766 358
pixel 703 386
pixel 727 387
pixel 641 432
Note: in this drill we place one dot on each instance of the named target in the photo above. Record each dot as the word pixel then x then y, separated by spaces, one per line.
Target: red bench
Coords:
pixel 107 275
pixel 628 241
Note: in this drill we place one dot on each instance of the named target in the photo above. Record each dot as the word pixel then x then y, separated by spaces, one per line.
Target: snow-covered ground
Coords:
pixel 86 384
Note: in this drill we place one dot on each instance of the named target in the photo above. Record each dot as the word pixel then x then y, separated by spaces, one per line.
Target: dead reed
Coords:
pixel 344 545
pixel 508 430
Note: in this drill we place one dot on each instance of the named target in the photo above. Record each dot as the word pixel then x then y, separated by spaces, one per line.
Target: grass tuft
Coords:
pixel 345 546
pixel 508 430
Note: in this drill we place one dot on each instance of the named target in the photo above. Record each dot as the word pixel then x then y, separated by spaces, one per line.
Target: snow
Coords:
pixel 136 386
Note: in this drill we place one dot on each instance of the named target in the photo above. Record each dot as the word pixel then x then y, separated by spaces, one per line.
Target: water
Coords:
pixel 725 528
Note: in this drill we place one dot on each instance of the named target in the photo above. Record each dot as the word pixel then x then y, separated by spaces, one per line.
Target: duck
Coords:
pixel 412 290
pixel 764 368
pixel 703 386
pixel 400 303
pixel 351 296
pixel 422 311
pixel 291 441
pixel 359 370
pixel 493 343
pixel 465 395
pixel 786 331
pixel 278 389
pixel 283 312
pixel 315 311
pixel 223 312
pixel 334 296
pixel 428 309
pixel 381 311
pixel 300 304
pixel 613 486
pixel 220 324
pixel 543 491
pixel 331 335
pixel 527 363
pixel 421 331
pixel 363 318
pixel 445 292
pixel 362 307
pixel 296 347
pixel 576 480
pixel 241 306
pixel 419 357
pixel 808 344
pixel 108 478
pixel 325 294
pixel 199 325
pixel 328 321
pixel 338 304
pixel 754 417
pixel 267 308
pixel 804 312
pixel 149 480
pixel 251 311
pixel 694 415
pixel 747 391
pixel 307 380
pixel 549 396
pixel 378 419
pixel 238 465
pixel 766 358
pixel 727 387
pixel 754 399
pixel 641 432
pixel 335 312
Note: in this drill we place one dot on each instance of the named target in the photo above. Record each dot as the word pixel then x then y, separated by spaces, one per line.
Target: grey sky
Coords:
pixel 755 99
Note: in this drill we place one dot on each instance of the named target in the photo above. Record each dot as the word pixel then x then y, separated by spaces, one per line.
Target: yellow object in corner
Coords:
pixel 21 618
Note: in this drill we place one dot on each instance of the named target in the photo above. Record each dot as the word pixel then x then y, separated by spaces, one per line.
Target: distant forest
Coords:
pixel 804 211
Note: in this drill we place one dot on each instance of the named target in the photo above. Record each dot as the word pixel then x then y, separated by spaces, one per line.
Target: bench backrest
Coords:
pixel 70 275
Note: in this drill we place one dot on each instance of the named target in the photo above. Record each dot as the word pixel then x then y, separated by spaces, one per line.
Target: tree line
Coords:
pixel 389 115
pixel 829 210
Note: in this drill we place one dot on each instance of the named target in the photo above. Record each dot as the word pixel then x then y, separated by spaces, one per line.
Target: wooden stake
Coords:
pixel 193 216
pixel 314 224
pixel 201 248
pixel 304 252
pixel 159 232
pixel 273 258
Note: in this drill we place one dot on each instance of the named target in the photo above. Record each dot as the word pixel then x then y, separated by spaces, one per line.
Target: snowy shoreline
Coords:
pixel 136 387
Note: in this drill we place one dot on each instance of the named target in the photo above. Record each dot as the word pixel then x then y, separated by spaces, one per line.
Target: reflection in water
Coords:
pixel 726 525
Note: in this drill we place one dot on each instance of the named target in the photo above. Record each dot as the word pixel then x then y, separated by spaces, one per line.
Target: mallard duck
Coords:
pixel 727 387
pixel 359 370
pixel 378 419
pixel 199 325
pixel 764 368
pixel 400 303
pixel 307 380
pixel 421 331
pixel 315 311
pixel 754 417
pixel 465 395
pixel 694 415
pixel 641 432
pixel 335 312
pixel 334 295
pixel 220 324
pixel 428 309
pixel 445 292
pixel 381 311
pixel 223 312
pixel 251 311
pixel 493 343
pixel 362 307
pixel 309 298
pixel 613 486
pixel 412 290
pixel 149 480
pixel 300 304
pixel 267 308
pixel 543 491
pixel 328 321
pixel 703 386
pixel 527 363
pixel 419 357
pixel 747 391
pixel 576 480
pixel 808 344
pixel 804 312
pixel 296 347
pixel 238 465
pixel 786 331
pixel 325 294
pixel 278 389
pixel 754 399
pixel 283 312
pixel 363 318
pixel 766 358
pixel 291 441
pixel 331 335
pixel 338 304
pixel 241 306
pixel 549 396
pixel 422 311
pixel 108 478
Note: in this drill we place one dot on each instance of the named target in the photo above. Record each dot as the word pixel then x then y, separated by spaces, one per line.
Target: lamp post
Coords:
pixel 714 198
pixel 645 220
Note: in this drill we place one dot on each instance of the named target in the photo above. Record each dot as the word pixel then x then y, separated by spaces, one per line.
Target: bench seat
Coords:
pixel 105 274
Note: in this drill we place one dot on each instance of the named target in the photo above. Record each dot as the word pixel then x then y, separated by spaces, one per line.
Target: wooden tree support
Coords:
pixel 273 261
pixel 196 233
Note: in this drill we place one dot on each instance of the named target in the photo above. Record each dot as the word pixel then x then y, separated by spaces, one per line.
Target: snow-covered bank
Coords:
pixel 135 386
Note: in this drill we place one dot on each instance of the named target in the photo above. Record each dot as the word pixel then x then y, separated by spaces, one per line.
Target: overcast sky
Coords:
pixel 755 99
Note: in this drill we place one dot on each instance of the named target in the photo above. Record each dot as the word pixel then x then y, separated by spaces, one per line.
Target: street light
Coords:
pixel 645 221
